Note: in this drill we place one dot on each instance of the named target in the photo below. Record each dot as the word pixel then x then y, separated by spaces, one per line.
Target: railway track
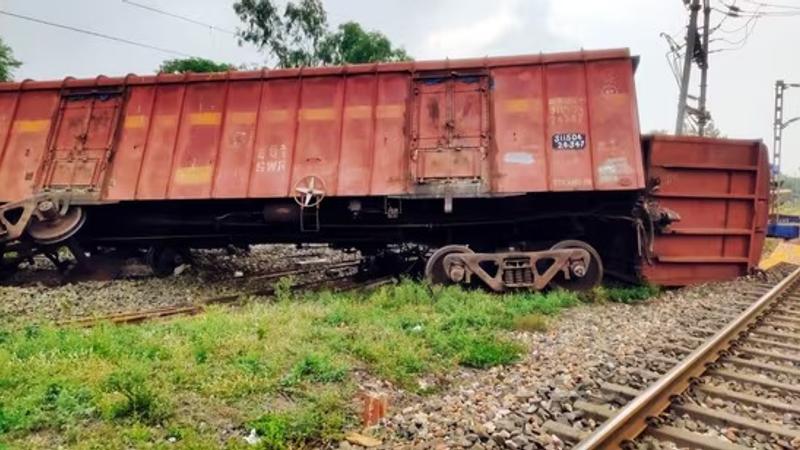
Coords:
pixel 732 388
pixel 337 282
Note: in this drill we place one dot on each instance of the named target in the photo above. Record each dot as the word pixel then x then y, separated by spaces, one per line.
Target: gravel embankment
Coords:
pixel 505 407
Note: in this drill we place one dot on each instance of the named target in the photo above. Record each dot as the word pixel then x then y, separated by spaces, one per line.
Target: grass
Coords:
pixel 621 294
pixel 282 368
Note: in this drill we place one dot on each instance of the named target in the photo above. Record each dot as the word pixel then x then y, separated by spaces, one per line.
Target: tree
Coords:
pixel 352 44
pixel 7 62
pixel 299 35
pixel 292 37
pixel 183 65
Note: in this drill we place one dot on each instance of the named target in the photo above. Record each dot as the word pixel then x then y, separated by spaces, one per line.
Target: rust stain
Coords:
pixel 433 110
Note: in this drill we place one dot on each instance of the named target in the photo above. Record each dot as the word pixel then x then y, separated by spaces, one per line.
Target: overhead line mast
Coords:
pixel 702 115
pixel 691 39
pixel 778 125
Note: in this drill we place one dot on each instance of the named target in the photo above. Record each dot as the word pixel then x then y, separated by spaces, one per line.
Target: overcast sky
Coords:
pixel 741 82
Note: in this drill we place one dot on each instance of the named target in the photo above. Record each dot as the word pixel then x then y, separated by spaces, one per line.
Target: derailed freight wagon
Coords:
pixel 514 172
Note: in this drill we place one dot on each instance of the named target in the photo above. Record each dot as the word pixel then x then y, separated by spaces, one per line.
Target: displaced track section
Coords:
pixel 738 389
pixel 338 279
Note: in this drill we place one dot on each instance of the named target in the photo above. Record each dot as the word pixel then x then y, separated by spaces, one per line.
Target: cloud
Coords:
pixel 477 37
pixel 592 20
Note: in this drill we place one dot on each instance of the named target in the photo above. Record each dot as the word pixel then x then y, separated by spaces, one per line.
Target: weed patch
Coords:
pixel 316 368
pixel 139 400
pixel 483 351
pixel 532 323
pixel 321 417
pixel 626 295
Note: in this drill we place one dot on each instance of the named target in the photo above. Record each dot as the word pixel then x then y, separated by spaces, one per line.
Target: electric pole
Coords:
pixel 691 38
pixel 778 125
pixel 703 115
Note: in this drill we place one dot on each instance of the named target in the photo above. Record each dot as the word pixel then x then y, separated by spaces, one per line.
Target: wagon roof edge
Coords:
pixel 403 66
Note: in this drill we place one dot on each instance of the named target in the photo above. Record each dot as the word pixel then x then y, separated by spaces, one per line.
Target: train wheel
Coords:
pixel 592 277
pixel 59 228
pixel 163 260
pixel 434 269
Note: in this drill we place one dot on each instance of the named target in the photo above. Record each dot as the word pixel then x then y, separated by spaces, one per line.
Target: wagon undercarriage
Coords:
pixel 508 244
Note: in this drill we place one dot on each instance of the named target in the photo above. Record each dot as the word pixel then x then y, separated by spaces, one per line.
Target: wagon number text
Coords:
pixel 569 141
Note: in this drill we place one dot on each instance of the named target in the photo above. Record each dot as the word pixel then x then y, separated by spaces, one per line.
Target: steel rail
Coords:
pixel 633 419
pixel 137 316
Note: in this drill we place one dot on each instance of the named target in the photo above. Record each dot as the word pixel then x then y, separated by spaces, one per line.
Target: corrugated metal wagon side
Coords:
pixel 719 190
pixel 541 123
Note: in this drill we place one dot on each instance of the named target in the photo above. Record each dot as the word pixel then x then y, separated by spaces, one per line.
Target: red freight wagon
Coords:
pixel 560 122
pixel 719 191
pixel 519 170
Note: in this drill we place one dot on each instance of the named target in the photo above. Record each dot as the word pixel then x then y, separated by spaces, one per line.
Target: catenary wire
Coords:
pixel 93 33
pixel 179 17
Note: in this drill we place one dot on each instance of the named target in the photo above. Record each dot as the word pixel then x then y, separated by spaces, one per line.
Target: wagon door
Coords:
pixel 81 143
pixel 450 128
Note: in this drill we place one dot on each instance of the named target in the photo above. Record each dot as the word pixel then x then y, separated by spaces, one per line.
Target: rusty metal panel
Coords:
pixel 719 188
pixel 83 136
pixel 277 133
pixel 390 160
pixel 569 139
pixel 238 139
pixel 520 161
pixel 450 127
pixel 319 132
pixel 26 144
pixel 358 132
pixel 198 141
pixel 127 157
pixel 162 133
pixel 8 109
pixel 616 144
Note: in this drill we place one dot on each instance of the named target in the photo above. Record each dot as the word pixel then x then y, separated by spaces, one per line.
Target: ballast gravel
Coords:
pixel 506 407
pixel 37 293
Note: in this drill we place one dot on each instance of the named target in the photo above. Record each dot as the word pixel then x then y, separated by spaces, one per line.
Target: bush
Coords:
pixel 140 402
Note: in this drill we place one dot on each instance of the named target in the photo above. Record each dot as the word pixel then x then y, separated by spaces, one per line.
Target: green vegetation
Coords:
pixel 352 44
pixel 197 65
pixel 531 323
pixel 789 198
pixel 7 62
pixel 281 368
pixel 621 294
pixel 298 35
